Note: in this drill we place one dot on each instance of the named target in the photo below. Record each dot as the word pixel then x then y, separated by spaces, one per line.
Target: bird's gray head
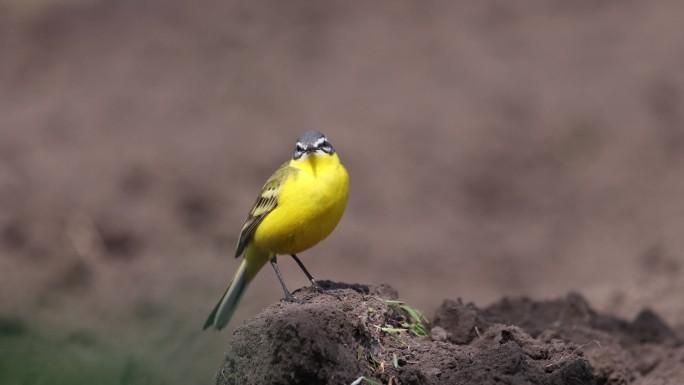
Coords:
pixel 312 142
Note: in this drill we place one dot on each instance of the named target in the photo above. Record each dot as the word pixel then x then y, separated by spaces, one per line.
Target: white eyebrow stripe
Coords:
pixel 320 141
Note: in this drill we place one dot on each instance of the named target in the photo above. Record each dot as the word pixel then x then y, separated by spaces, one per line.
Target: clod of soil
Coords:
pixel 353 331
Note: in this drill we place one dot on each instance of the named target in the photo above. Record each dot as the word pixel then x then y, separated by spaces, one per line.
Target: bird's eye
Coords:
pixel 298 152
pixel 326 147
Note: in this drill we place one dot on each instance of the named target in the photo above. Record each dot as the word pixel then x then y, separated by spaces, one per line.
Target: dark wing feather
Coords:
pixel 265 203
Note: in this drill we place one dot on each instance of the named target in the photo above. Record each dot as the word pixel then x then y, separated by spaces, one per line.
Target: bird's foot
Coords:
pixel 317 288
pixel 291 298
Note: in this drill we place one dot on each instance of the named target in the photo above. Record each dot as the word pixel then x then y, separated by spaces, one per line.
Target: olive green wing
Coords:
pixel 265 203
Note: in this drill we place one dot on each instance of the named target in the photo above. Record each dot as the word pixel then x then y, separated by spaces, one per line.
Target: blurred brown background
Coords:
pixel 495 148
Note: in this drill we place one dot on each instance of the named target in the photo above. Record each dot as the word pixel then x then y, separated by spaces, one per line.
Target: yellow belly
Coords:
pixel 310 205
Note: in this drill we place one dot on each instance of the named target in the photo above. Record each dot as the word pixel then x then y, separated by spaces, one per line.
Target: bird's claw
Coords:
pixel 317 288
pixel 291 298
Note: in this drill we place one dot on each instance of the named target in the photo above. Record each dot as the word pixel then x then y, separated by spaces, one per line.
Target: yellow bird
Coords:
pixel 300 205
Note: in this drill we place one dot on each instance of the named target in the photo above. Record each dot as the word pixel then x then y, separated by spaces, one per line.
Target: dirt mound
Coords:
pixel 354 331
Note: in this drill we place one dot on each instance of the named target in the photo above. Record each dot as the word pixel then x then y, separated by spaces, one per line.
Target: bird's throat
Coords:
pixel 316 164
pixel 312 162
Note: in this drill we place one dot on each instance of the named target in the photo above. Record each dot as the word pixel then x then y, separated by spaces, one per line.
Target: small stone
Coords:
pixel 438 334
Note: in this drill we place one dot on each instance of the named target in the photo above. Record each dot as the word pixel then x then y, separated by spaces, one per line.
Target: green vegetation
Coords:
pixel 28 357
pixel 410 319
pixel 397 321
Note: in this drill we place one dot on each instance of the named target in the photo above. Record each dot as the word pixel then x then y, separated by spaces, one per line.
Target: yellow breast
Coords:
pixel 310 205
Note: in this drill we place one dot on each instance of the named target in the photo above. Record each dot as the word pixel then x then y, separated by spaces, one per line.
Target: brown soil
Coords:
pixel 335 337
pixel 495 148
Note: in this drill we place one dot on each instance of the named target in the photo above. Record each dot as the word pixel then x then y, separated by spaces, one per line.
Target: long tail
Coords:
pixel 252 262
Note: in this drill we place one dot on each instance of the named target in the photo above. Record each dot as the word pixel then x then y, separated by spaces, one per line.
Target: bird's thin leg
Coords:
pixel 288 296
pixel 308 275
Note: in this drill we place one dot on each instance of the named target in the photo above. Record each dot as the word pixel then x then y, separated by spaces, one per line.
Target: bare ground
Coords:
pixel 346 333
pixel 495 149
